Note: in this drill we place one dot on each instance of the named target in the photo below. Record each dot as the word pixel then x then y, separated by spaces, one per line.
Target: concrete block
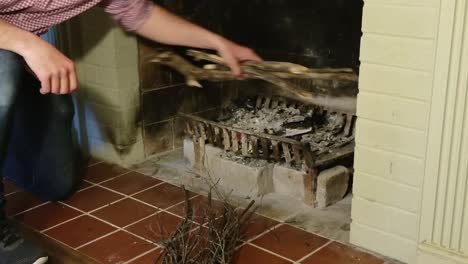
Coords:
pixel 332 185
pixel 288 181
pixel 241 177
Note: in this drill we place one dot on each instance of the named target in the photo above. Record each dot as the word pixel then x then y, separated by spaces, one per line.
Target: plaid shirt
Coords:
pixel 38 16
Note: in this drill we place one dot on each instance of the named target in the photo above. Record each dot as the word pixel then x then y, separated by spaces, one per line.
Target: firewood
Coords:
pixel 271 72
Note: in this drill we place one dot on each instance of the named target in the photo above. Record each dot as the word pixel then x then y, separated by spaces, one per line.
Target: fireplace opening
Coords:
pixel 250 137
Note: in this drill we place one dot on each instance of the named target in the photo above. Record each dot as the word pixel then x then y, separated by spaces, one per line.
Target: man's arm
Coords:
pixel 55 71
pixel 164 27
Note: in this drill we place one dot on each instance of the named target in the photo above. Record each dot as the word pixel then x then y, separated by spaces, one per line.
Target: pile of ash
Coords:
pixel 322 130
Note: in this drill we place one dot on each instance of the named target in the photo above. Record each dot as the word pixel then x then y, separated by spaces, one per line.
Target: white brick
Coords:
pixel 417 3
pixel 415 21
pixel 385 218
pixel 395 81
pixel 389 137
pixel 382 242
pixel 389 165
pixel 393 110
pixel 107 152
pixel 386 192
pixel 397 51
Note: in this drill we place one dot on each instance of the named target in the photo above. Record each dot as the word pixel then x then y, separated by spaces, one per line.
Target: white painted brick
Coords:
pixel 382 242
pixel 99 56
pixel 385 218
pixel 393 110
pixel 415 21
pixel 107 77
pixel 397 51
pixel 390 137
pixel 389 165
pixel 417 3
pixel 395 81
pixel 387 192
pixel 128 78
pixel 107 152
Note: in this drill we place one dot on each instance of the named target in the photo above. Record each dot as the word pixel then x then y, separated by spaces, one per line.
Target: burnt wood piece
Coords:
pixel 194 74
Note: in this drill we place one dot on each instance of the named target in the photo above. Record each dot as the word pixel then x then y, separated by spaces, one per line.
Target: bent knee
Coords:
pixel 63 107
pixel 11 70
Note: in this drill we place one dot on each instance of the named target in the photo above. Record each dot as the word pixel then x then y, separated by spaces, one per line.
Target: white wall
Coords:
pixel 397 54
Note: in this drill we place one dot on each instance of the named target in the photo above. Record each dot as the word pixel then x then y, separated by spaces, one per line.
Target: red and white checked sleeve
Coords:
pixel 130 14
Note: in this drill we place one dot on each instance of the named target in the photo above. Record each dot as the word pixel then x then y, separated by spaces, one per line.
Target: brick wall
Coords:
pixel 107 101
pixel 396 74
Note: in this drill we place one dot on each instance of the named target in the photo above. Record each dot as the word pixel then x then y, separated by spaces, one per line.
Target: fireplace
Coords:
pixel 319 34
pixel 129 108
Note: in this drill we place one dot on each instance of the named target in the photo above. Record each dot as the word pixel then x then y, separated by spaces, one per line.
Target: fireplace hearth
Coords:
pixel 305 138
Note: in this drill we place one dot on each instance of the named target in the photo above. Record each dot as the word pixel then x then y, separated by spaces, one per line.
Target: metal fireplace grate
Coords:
pixel 287 149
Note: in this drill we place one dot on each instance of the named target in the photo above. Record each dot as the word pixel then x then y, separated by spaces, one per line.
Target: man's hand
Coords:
pixel 233 54
pixel 55 71
pixel 165 27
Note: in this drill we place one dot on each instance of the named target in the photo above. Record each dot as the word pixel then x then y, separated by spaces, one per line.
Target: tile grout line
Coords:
pixel 104 221
pixel 315 251
pixel 96 239
pixel 30 209
pixel 110 179
pixel 261 234
pixel 141 255
pixel 115 226
pixel 271 252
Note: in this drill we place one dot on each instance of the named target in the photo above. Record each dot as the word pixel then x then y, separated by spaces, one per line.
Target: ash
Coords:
pixel 322 130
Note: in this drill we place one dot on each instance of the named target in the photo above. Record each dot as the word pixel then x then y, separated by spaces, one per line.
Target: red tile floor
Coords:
pixel 117 215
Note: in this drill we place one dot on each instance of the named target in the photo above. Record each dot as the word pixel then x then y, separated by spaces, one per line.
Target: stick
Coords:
pixel 257 70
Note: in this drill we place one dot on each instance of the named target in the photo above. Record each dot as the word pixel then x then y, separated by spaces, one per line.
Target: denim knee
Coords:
pixel 11 70
pixel 63 108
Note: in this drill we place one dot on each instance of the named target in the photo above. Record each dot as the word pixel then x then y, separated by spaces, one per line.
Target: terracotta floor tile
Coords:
pixel 47 216
pixel 103 171
pixel 19 202
pixel 84 185
pixel 336 253
pixel 149 258
pixel 124 212
pixel 9 187
pixel 249 255
pixel 257 225
pixel 116 248
pixel 80 231
pixel 131 183
pixel 290 242
pixel 200 206
pixel 92 198
pixel 157 227
pixel 92 161
pixel 163 196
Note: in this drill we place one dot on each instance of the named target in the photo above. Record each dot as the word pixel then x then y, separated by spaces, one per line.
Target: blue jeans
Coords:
pixel 37 151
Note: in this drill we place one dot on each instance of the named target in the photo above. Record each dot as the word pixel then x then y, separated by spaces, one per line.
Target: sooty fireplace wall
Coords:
pixel 323 33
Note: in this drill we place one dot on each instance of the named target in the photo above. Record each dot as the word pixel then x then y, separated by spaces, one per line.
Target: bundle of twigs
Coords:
pixel 214 241
pixel 273 72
